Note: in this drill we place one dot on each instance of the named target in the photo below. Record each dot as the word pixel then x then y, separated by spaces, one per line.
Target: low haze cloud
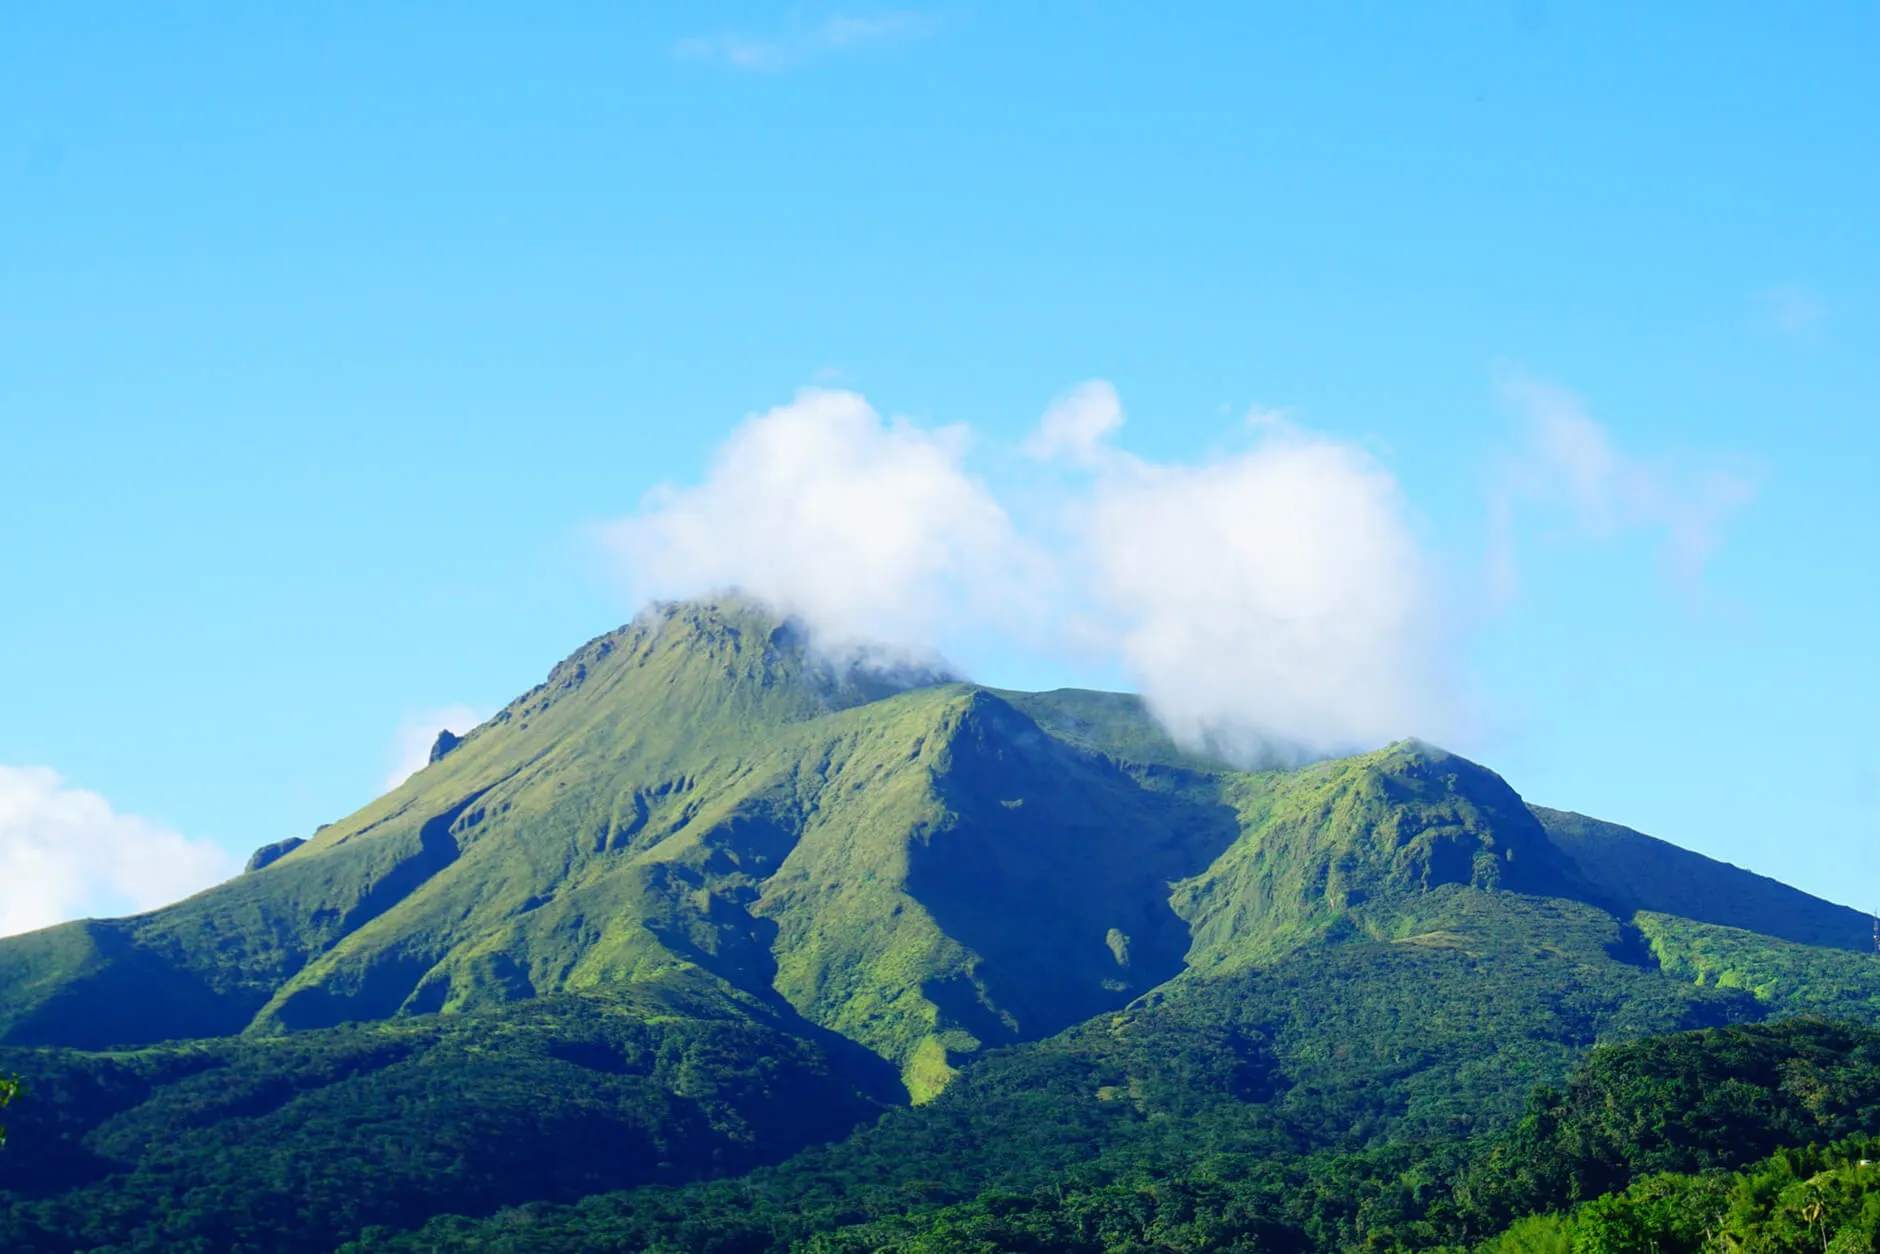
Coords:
pixel 1272 603
pixel 1569 468
pixel 66 853
pixel 1077 424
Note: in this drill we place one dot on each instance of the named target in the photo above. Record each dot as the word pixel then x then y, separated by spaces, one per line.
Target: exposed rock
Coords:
pixel 446 741
pixel 268 854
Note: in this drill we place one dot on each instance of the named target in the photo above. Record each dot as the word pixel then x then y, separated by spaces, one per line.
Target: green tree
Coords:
pixel 10 1089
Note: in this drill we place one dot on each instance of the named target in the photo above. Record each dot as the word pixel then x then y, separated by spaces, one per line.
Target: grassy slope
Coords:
pixel 1334 848
pixel 1435 1015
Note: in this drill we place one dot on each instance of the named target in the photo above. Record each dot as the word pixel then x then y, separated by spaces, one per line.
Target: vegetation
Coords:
pixel 10 1090
pixel 707 900
pixel 297 1142
pixel 1806 1200
pixel 927 868
pixel 1709 1101
pixel 1796 977
pixel 1633 872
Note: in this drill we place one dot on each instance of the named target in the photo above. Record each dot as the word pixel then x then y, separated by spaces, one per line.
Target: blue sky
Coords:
pixel 334 341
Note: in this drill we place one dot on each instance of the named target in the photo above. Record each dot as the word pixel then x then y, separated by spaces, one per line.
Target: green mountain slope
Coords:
pixel 1128 954
pixel 927 868
pixel 1337 847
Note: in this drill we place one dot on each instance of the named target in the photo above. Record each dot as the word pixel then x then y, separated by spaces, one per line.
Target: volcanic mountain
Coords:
pixel 703 845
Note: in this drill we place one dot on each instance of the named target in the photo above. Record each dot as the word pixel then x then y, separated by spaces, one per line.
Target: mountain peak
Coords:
pixel 760 641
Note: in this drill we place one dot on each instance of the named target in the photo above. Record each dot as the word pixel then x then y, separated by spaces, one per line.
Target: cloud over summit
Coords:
pixel 1271 602
pixel 869 529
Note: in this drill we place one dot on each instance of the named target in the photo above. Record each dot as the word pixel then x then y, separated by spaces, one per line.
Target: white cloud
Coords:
pixel 870 530
pixel 834 34
pixel 65 854
pixel 1271 602
pixel 411 746
pixel 1570 464
pixel 1077 423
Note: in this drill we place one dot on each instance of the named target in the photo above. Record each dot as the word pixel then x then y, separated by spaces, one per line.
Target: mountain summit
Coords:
pixel 700 801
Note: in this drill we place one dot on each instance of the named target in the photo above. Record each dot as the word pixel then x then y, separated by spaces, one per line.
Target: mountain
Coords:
pixel 766 894
pixel 697 791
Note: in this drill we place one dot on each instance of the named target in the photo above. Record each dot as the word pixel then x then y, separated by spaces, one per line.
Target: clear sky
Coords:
pixel 337 341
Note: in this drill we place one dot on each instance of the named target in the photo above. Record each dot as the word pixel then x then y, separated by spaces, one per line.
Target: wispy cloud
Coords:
pixel 837 33
pixel 65 853
pixel 1569 465
pixel 1790 310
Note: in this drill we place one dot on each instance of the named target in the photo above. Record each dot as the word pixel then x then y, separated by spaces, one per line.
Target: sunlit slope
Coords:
pixel 617 747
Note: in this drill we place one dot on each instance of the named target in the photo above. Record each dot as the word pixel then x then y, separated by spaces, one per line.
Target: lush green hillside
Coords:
pixel 1370 1046
pixel 296 1142
pixel 1795 978
pixel 1088 951
pixel 1337 848
pixel 927 868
